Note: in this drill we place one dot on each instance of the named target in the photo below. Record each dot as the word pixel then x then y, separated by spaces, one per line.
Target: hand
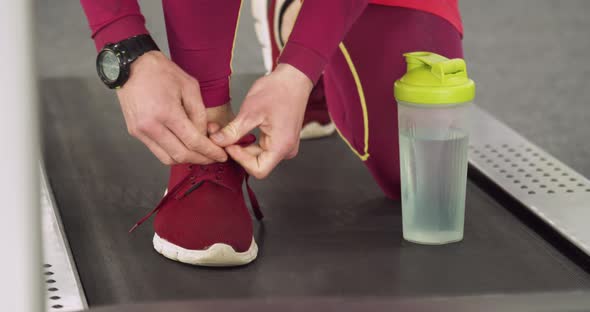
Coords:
pixel 163 108
pixel 275 104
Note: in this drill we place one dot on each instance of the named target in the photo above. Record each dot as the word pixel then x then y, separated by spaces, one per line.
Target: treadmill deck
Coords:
pixel 328 229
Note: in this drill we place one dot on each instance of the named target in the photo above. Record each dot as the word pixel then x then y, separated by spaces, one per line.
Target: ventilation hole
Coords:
pixel 55 297
pixel 546 174
pixel 47 265
pixel 500 156
pixel 534 180
pixel 507 160
pixel 528 175
pixel 535 154
pixel 52 289
pixel 542 186
pixel 470 146
pixel 549 164
pixel 489 161
pixel 561 185
pixel 524 187
pixel 542 159
pixel 550 191
pixel 525 159
pixel 553 180
pixel 57 306
pixel 528 149
pixel 482 156
pixel 487 146
pixel 570 191
pixel 511 150
pixel 572 179
pixel 510 176
pixel 48 273
pixel 564 174
pixel 502 171
pixel 557 169
pixel 539 169
pixel 517 155
pixel 504 145
pixel 531 165
pixel 496 166
pixel 514 165
pixel 520 170
pixel 531 192
pixel 493 151
pixel 588 190
pixel 50 281
pixel 581 184
pixel 516 181
pixel 476 152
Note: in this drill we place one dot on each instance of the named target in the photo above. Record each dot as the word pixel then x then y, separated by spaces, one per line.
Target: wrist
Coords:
pixel 151 58
pixel 294 76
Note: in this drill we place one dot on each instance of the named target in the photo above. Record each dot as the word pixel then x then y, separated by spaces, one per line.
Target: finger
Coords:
pixel 194 141
pixel 293 152
pixel 257 162
pixel 193 104
pixel 235 130
pixel 157 150
pixel 213 127
pixel 174 147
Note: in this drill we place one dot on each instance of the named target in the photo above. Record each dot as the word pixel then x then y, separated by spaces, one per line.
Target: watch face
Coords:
pixel 109 65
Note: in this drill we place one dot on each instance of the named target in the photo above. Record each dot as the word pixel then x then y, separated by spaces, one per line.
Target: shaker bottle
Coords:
pixel 434 98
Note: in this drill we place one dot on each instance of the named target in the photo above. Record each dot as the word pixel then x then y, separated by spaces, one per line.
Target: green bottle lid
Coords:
pixel 434 79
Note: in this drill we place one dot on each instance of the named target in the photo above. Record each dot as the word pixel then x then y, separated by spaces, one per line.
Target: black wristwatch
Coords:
pixel 114 60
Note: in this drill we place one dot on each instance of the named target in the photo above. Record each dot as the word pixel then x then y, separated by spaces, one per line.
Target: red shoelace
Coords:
pixel 197 175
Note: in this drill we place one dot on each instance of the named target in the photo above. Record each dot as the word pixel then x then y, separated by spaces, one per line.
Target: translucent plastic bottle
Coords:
pixel 434 98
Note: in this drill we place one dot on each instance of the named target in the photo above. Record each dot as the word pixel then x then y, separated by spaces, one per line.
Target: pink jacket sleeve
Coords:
pixel 320 27
pixel 113 20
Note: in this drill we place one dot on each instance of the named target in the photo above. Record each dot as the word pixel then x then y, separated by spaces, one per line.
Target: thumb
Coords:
pixel 234 130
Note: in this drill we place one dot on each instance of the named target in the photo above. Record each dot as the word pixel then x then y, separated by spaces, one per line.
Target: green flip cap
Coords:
pixel 433 79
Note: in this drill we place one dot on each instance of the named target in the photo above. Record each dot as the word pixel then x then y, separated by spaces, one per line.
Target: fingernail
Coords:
pixel 217 137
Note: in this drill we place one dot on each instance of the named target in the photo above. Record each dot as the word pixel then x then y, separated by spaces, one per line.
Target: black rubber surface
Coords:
pixel 328 230
pixel 568 301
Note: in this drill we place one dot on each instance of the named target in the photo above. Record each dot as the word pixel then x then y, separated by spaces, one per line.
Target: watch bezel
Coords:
pixel 123 69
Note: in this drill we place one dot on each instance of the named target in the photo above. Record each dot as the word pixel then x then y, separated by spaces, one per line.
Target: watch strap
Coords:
pixel 134 47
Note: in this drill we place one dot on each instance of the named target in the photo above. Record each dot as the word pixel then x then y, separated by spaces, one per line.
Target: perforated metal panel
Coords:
pixel 550 189
pixel 63 288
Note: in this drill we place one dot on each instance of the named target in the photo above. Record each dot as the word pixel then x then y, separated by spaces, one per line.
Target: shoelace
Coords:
pixel 192 181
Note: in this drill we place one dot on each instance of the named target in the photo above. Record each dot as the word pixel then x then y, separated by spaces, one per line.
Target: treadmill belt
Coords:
pixel 328 230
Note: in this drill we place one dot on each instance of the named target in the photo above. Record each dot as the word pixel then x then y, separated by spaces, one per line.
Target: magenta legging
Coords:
pixel 373 50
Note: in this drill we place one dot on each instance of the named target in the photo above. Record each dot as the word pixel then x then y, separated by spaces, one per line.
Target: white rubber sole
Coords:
pixel 218 255
pixel 315 130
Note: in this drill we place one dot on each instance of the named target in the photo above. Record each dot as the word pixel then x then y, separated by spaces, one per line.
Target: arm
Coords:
pixel 113 20
pixel 161 103
pixel 320 27
pixel 276 103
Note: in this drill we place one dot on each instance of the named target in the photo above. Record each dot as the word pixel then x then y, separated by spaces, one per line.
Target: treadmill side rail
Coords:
pixel 554 192
pixel 62 285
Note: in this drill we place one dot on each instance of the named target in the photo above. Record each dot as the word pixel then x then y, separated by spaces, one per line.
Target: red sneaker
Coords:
pixel 203 219
pixel 272 26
